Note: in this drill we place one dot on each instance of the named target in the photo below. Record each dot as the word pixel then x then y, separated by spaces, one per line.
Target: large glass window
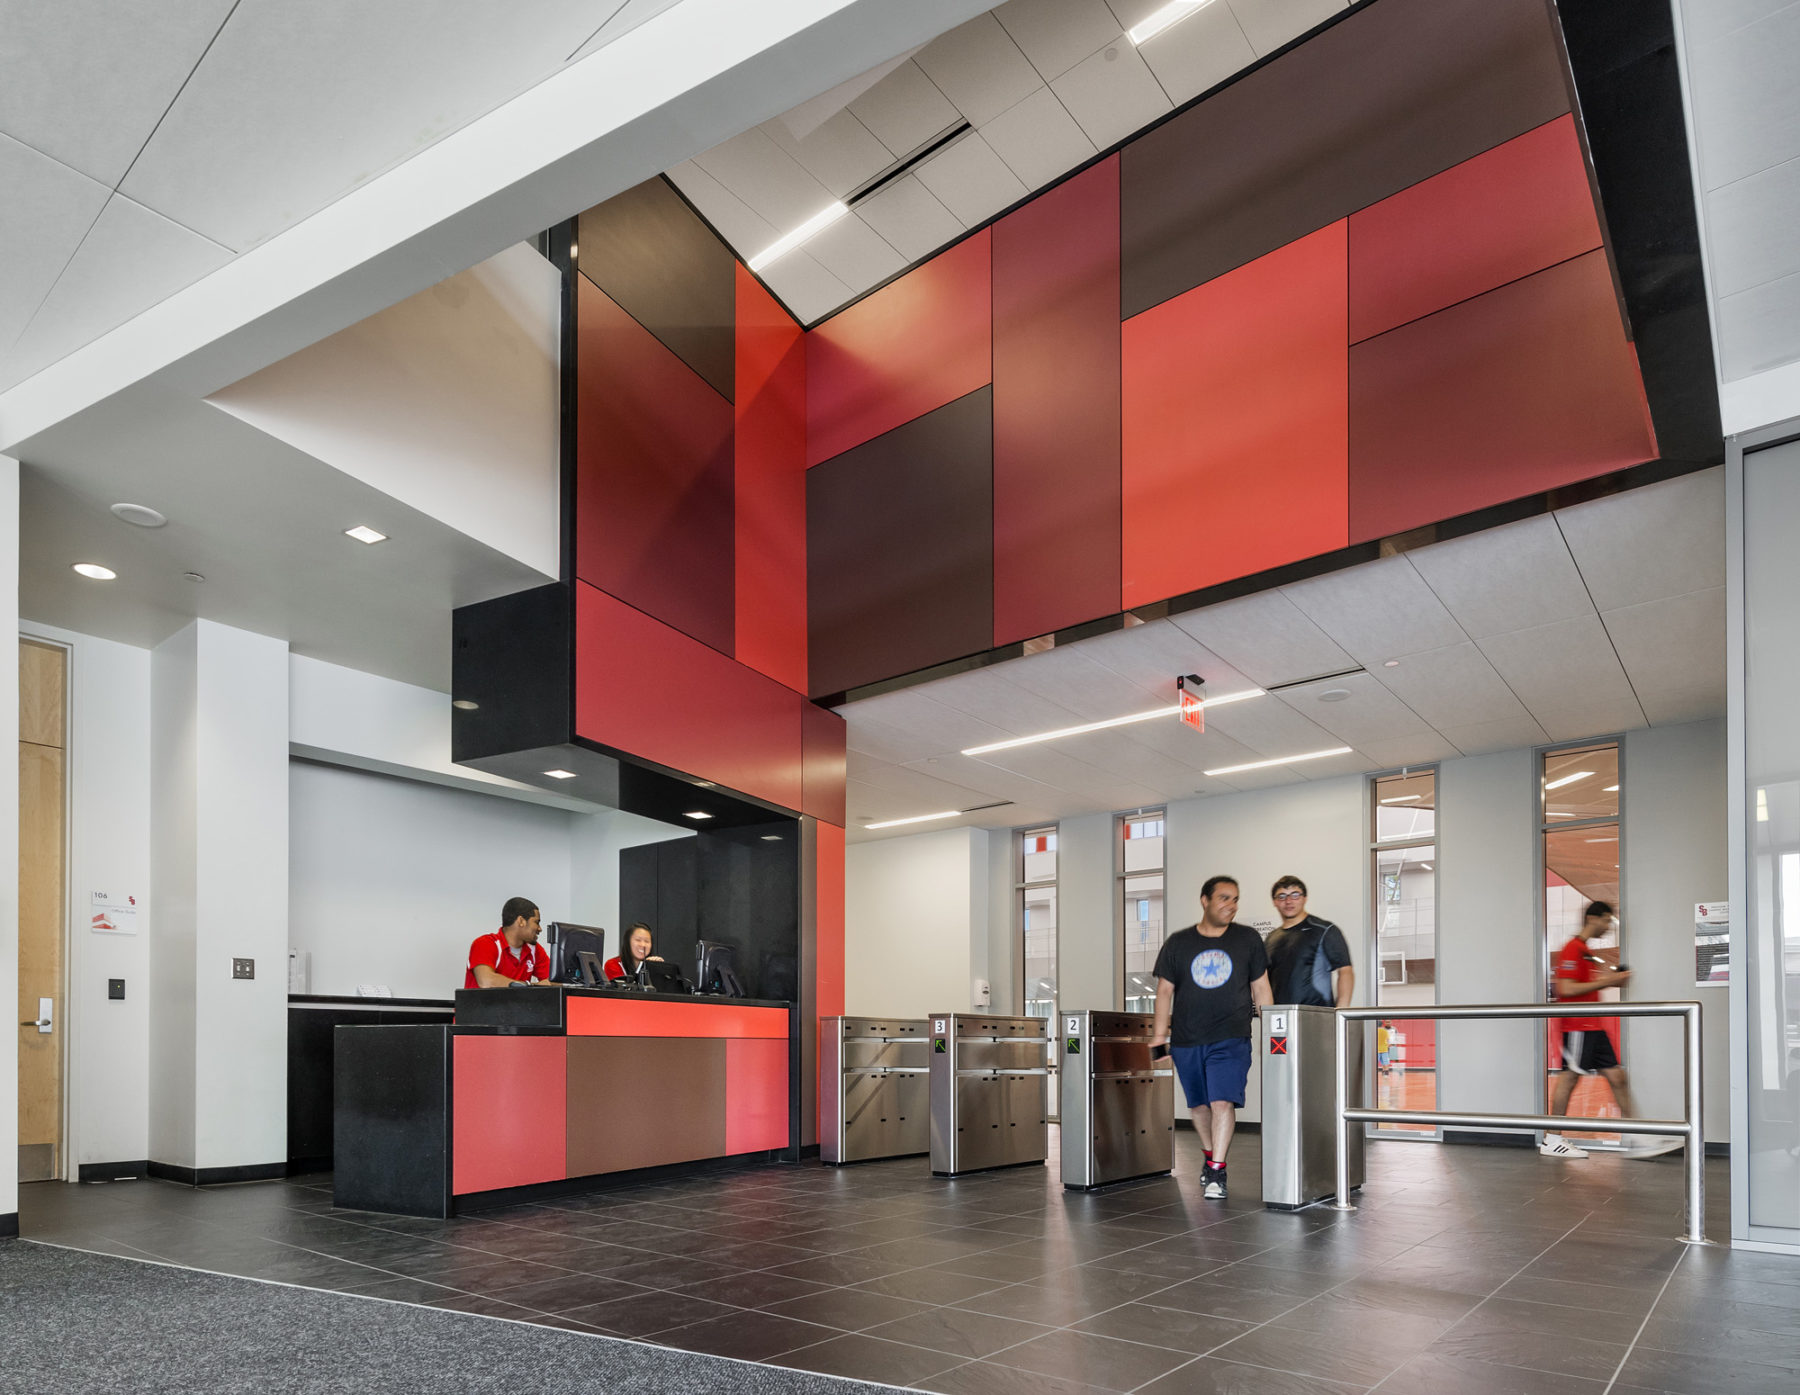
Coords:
pixel 1037 919
pixel 1141 842
pixel 1404 857
pixel 1580 825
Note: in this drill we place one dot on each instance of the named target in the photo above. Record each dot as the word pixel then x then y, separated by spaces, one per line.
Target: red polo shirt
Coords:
pixel 1572 963
pixel 527 964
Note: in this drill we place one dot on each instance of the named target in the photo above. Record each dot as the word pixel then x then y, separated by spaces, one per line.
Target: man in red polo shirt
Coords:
pixel 509 956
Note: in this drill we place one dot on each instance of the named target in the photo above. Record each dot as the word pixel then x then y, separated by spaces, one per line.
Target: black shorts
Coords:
pixel 1588 1053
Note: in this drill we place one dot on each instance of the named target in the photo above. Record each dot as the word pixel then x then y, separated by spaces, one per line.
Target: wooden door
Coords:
pixel 42 939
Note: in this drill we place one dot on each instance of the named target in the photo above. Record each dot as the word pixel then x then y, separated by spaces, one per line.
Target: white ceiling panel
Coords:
pixel 1194 750
pixel 1511 578
pixel 1666 539
pixel 1377 611
pixel 905 109
pixel 909 217
pixel 920 788
pixel 1038 139
pixel 1674 650
pixel 740 224
pixel 990 695
pixel 806 118
pixel 1057 34
pixel 1126 759
pixel 1409 750
pixel 1153 655
pixel 625 17
pixel 979 68
pixel 1455 685
pixel 767 178
pixel 839 152
pixel 86 80
pixel 854 252
pixel 1002 782
pixel 1112 94
pixel 805 287
pixel 1266 637
pixel 1131 13
pixel 1271 23
pixel 44 213
pixel 1370 713
pixel 909 715
pixel 970 180
pixel 1049 766
pixel 880 741
pixel 1481 738
pixel 1199 53
pixel 1590 719
pixel 131 259
pixel 1566 668
pixel 1270 727
pixel 1091 691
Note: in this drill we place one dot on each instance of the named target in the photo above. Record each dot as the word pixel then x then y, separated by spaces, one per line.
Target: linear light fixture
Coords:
pixel 1403 799
pixel 1599 840
pixel 916 818
pixel 1163 18
pixel 696 814
pixel 1568 779
pixel 1060 732
pixel 812 227
pixel 1285 760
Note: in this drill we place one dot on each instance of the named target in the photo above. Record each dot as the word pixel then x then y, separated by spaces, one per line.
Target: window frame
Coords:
pixel 1021 885
pixel 1121 994
pixel 1374 846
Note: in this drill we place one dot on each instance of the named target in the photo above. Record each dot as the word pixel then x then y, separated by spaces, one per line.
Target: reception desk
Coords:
pixel 540 1091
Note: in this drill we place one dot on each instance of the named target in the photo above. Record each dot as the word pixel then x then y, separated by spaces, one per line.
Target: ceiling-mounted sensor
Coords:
pixel 141 515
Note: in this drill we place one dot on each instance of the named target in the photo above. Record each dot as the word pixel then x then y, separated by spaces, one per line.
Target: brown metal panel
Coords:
pixel 647 250
pixel 644 1102
pixel 1392 95
pixel 900 548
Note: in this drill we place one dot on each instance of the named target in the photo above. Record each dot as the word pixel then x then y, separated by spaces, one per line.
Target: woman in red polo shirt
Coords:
pixel 510 955
pixel 633 954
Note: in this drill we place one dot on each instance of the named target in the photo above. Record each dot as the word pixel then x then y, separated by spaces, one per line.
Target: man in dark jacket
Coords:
pixel 1309 962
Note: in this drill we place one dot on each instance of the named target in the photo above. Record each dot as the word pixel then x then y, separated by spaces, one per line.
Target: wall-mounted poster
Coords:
pixel 1712 943
pixel 113 914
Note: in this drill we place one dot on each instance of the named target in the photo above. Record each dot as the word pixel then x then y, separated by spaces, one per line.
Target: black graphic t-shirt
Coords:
pixel 1212 977
pixel 1301 961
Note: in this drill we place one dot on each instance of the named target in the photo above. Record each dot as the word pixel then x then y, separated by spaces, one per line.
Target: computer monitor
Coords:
pixel 566 943
pixel 661 977
pixel 717 971
pixel 593 974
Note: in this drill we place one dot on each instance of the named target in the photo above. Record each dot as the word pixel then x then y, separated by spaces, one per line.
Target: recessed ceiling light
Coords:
pixel 696 814
pixel 93 571
pixel 464 704
pixel 916 818
pixel 1154 712
pixel 1391 663
pixel 1334 695
pixel 1568 779
pixel 141 514
pixel 703 784
pixel 771 837
pixel 1285 760
pixel 560 774
pixel 1169 14
pixel 365 534
pixel 192 576
pixel 814 225
pixel 1402 798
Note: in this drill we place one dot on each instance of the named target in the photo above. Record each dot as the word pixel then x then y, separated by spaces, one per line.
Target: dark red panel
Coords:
pixel 1056 408
pixel 614 1017
pixel 1519 208
pixel 1523 389
pixel 504 1137
pixel 1235 427
pixel 644 688
pixel 756 1095
pixel 825 756
pixel 771 487
pixel 654 477
pixel 905 350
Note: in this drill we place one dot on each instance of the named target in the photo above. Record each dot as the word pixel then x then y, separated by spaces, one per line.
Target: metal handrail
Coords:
pixel 1689 1126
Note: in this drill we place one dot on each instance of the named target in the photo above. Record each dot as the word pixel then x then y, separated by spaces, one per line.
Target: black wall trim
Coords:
pixel 214 1176
pixel 113 1171
pixel 1486 1138
pixel 9 1226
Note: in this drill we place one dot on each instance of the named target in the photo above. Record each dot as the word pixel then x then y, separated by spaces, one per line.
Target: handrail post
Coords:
pixel 1696 1122
pixel 1341 1023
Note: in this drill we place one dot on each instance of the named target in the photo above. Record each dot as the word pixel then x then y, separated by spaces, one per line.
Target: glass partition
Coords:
pixel 1404 876
pixel 1141 843
pixel 1037 919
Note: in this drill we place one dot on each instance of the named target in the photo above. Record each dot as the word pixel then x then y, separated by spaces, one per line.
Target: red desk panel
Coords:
pixel 509 1125
pixel 612 1017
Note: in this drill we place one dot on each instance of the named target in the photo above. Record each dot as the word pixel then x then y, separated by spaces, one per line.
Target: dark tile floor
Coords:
pixel 1474 1270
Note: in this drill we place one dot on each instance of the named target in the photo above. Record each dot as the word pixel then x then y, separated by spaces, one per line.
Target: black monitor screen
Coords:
pixel 568 944
pixel 718 972
pixel 663 977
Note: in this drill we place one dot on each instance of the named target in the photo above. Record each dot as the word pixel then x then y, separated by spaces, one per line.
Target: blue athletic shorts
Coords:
pixel 1213 1073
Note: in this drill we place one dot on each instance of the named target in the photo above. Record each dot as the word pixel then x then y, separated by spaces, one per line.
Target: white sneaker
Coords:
pixel 1555 1147
pixel 1650 1145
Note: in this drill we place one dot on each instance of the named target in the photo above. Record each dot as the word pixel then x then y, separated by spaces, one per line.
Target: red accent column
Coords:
pixel 770 404
pixel 756 1095
pixel 1056 408
pixel 510 1112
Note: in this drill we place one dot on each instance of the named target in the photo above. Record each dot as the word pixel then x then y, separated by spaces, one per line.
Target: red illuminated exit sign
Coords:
pixel 1190 693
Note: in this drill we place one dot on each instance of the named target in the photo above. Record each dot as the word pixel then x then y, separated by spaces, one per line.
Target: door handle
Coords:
pixel 45 1020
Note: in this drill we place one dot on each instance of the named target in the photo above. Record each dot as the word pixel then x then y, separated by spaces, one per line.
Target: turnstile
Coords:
pixel 1299 1105
pixel 1118 1105
pixel 875 1101
pixel 990 1096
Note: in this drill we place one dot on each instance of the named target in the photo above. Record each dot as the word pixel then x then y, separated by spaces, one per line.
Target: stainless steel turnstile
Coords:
pixel 875 1100
pixel 1118 1105
pixel 1299 1106
pixel 990 1096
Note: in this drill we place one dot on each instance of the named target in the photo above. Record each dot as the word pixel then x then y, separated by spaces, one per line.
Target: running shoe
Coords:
pixel 1561 1148
pixel 1651 1145
pixel 1214 1190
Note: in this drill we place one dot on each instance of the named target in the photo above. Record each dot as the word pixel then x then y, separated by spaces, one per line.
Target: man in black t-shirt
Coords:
pixel 1309 963
pixel 1210 979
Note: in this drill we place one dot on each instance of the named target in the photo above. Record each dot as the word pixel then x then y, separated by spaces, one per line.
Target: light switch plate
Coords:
pixel 243 968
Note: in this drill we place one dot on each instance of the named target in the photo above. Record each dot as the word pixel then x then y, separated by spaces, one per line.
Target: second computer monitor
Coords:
pixel 717 970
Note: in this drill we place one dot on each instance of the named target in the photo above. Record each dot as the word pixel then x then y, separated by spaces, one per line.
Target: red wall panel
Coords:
pixel 770 403
pixel 650 690
pixel 756 1095
pixel 1235 423
pixel 1519 208
pixel 654 476
pixel 906 350
pixel 830 917
pixel 1056 408
pixel 613 1017
pixel 825 761
pixel 509 1112
pixel 1520 390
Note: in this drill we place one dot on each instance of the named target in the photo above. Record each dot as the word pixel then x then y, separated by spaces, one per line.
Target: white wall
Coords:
pixel 9 837
pixel 173 721
pixel 593 863
pixel 1087 929
pixel 914 910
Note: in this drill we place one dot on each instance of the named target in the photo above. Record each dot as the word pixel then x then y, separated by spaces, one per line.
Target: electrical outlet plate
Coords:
pixel 243 968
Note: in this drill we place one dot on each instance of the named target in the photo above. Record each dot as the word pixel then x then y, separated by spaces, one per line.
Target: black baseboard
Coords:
pixel 215 1176
pixel 1718 1150
pixel 1244 1125
pixel 1488 1138
pixel 113 1171
pixel 9 1226
pixel 609 1181
pixel 300 1167
pixel 810 1150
